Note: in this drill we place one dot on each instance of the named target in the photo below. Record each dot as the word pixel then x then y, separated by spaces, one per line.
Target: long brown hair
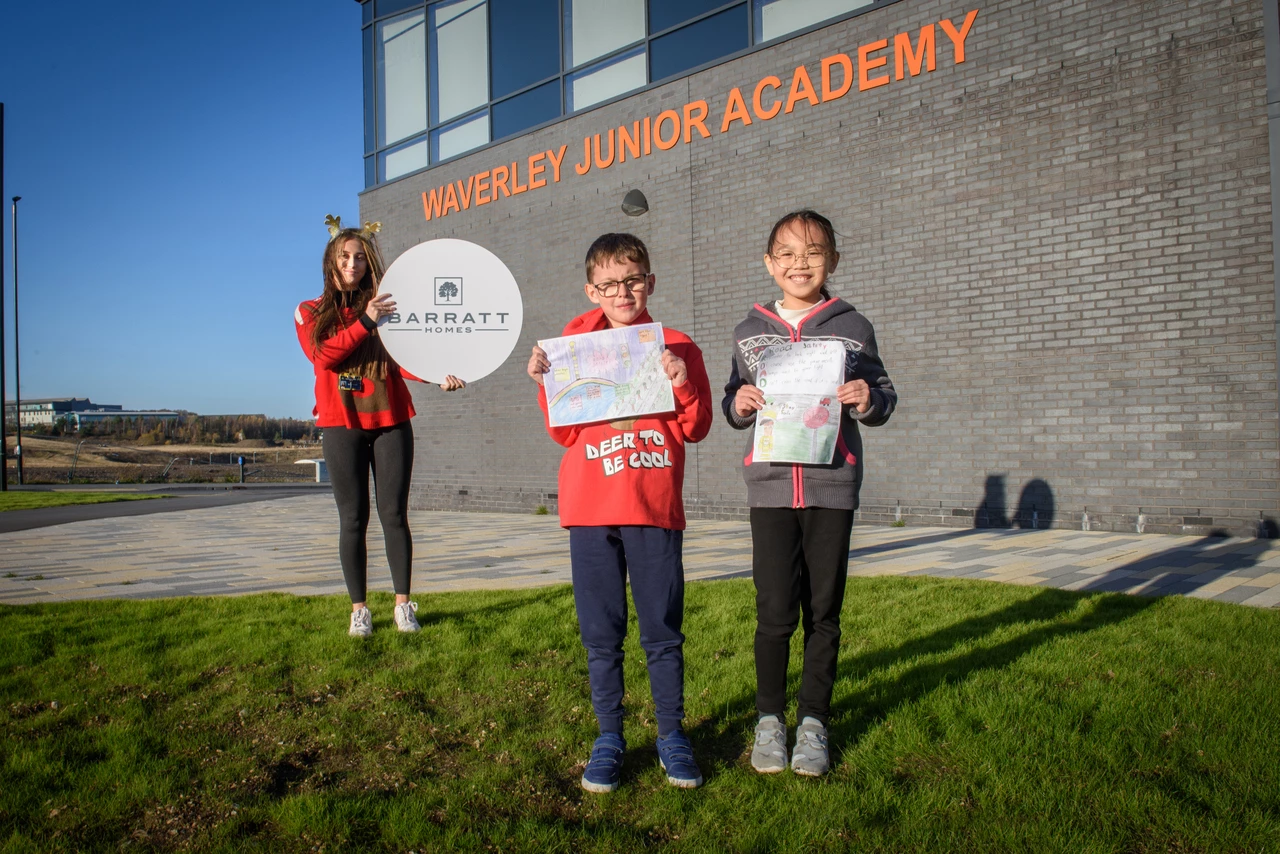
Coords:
pixel 806 217
pixel 370 359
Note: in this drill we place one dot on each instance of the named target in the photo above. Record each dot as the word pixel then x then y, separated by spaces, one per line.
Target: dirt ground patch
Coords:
pixel 53 459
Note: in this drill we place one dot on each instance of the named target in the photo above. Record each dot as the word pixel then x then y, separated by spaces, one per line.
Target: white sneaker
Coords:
pixel 810 756
pixel 405 619
pixel 361 623
pixel 769 755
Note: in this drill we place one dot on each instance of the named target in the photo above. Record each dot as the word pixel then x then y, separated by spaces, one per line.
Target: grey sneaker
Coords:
pixel 769 755
pixel 810 756
pixel 361 623
pixel 405 620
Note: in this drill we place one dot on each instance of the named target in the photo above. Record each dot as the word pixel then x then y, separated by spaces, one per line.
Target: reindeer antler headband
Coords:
pixel 335 227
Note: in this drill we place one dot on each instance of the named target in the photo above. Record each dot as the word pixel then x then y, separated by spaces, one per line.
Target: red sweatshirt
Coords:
pixel 351 401
pixel 631 472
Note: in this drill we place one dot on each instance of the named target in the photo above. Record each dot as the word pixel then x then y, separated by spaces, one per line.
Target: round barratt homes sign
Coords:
pixel 458 310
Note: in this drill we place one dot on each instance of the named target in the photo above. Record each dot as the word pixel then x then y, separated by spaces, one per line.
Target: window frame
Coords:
pixel 564 76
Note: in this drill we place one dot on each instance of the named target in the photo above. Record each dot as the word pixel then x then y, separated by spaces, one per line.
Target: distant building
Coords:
pixel 78 411
pixel 98 416
pixel 48 410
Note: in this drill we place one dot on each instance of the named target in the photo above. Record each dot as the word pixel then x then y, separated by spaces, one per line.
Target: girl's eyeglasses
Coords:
pixel 787 259
pixel 634 284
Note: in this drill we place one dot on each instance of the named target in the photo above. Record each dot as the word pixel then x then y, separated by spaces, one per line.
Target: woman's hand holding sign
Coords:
pixel 379 307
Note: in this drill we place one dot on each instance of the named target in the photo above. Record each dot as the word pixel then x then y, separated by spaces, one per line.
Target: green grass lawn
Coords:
pixel 969 717
pixel 21 500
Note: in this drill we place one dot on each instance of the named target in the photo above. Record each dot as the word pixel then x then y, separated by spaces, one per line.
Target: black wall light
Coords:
pixel 634 203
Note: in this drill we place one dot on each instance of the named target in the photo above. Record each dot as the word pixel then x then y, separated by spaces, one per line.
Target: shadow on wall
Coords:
pixel 1034 510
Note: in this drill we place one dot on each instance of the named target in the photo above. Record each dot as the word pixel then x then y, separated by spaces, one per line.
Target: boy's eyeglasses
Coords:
pixel 787 259
pixel 634 284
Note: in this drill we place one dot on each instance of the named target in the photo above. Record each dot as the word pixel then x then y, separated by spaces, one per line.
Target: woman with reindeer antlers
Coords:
pixel 364 407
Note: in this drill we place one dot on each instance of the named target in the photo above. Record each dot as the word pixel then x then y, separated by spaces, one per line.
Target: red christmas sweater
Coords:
pixel 631 472
pixel 347 400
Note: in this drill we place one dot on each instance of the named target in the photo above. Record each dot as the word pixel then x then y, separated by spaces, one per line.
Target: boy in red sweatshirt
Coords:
pixel 626 519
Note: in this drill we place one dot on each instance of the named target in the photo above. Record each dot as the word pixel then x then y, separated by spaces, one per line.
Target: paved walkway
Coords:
pixel 290 545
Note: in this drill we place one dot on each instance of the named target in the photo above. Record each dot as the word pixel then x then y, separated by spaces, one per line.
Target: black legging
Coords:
pixel 350 454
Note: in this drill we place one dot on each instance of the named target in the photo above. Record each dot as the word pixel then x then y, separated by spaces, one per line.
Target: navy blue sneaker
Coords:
pixel 676 755
pixel 604 768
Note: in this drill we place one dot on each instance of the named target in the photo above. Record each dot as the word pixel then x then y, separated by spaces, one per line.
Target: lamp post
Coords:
pixel 4 447
pixel 17 357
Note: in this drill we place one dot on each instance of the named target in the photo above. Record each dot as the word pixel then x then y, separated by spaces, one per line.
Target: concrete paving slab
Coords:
pixel 289 544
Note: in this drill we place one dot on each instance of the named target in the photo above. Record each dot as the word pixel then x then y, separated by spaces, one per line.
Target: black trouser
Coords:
pixel 800 561
pixel 349 455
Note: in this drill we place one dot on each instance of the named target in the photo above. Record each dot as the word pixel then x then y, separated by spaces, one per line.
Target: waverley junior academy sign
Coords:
pixel 872 65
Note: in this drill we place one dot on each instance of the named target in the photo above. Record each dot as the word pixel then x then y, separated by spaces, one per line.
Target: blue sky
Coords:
pixel 175 162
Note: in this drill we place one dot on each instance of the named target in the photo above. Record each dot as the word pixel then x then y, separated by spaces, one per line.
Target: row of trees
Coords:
pixel 189 428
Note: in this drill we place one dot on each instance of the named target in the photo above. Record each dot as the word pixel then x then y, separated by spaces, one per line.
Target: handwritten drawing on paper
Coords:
pixel 607 376
pixel 801 416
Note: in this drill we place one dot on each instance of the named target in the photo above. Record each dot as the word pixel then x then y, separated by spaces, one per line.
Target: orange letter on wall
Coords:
pixel 482 187
pixel 762 114
pixel 516 186
pixel 500 174
pixel 735 110
pixel 801 88
pixel 465 193
pixel 536 168
pixel 628 143
pixel 556 159
pixel 846 76
pixel 585 166
pixel 695 116
pixel 431 206
pixel 664 144
pixel 924 54
pixel 602 163
pixel 957 39
pixel 450 200
pixel 865 64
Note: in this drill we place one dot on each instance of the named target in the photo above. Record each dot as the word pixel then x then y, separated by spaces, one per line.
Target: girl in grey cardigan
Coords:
pixel 802 515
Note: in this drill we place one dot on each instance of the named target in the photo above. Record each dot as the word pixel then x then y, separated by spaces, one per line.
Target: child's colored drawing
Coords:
pixel 801 417
pixel 610 375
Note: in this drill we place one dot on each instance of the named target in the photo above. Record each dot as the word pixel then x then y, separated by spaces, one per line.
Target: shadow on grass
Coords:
pixel 468 612
pixel 1048 615
pixel 1044 613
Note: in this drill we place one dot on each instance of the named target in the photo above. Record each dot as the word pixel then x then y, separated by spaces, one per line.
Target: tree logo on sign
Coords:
pixel 449 291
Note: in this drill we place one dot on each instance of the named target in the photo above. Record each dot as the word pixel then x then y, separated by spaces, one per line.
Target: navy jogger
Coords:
pixel 603 558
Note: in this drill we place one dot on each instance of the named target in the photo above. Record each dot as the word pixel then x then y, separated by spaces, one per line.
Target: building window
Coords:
pixel 595 28
pixel 775 18
pixel 606 80
pixel 665 14
pixel 395 162
pixel 538 105
pixel 459 58
pixel 524 37
pixel 443 77
pixel 390 7
pixel 701 42
pixel 401 77
pixel 471 132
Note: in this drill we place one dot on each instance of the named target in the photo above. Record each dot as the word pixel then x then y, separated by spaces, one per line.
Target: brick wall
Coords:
pixel 1064 243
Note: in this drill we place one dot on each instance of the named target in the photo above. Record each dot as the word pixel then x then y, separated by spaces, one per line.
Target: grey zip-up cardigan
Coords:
pixel 834 485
